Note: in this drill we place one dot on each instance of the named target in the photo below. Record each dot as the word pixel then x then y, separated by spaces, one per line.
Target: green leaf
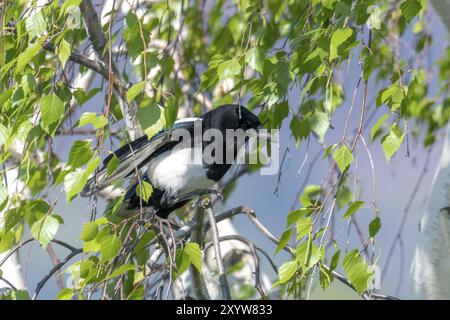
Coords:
pixel 255 58
pixel 374 227
pixel 63 52
pixel 76 180
pixel 110 246
pixel 319 123
pixel 98 121
pixel 20 295
pixel 328 150
pixel 79 154
pixel 284 239
pixel 68 3
pixel 90 230
pixel 112 165
pixel 343 157
pixel 122 269
pixel 3 192
pixel 357 271
pixel 228 69
pixel 392 95
pixel 44 230
pixel 52 110
pixel 136 89
pixel 335 260
pixel 307 254
pixel 337 39
pixel 304 227
pixel 352 209
pixel 194 252
pixel 377 125
pixel 287 271
pixel 65 294
pixel 171 112
pixel 390 144
pixel 299 129
pixel 36 25
pixel 410 8
pixel 144 190
pixel 152 119
pixel 26 56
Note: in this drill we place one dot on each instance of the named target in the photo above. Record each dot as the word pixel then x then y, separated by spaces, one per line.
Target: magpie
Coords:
pixel 168 165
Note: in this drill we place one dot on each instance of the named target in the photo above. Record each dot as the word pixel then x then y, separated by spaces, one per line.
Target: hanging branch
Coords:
pixel 99 43
pixel 225 289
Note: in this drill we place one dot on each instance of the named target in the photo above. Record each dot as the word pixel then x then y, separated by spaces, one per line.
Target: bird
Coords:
pixel 167 162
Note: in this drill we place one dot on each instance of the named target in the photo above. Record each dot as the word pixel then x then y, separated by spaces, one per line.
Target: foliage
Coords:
pixel 256 51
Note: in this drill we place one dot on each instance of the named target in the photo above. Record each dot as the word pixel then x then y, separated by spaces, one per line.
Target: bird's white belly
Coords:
pixel 175 171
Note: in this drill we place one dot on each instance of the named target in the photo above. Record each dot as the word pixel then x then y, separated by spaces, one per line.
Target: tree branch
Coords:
pixel 225 289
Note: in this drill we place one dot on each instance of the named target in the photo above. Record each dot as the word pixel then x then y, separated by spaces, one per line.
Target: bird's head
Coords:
pixel 232 117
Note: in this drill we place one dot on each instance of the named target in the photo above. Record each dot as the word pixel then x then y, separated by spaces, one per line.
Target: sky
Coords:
pixel 395 182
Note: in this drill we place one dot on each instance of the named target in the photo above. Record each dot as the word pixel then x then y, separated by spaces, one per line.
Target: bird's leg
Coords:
pixel 169 200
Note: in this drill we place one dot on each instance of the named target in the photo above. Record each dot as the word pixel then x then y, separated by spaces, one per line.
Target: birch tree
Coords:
pixel 152 62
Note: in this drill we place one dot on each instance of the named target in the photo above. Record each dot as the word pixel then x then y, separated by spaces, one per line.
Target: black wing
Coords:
pixel 133 156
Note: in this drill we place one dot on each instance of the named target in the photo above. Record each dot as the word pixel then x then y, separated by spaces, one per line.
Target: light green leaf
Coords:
pixel 36 25
pixel 65 294
pixel 377 125
pixel 338 38
pixel 390 144
pixel 343 157
pixel 374 227
pixel 195 254
pixel 68 3
pixel 304 227
pixel 287 271
pixel 228 69
pixel 26 56
pixel 255 58
pixel 110 246
pixel 73 20
pixel 90 230
pixel 112 165
pixel 144 190
pixel 357 271
pixel 4 134
pixel 98 121
pixel 136 89
pixel 76 180
pixel 79 154
pixel 63 52
pixel 328 150
pixel 284 239
pixel 122 269
pixel 352 209
pixel 44 230
pixel 319 123
pixel 52 110
pixel 3 192
pixel 171 112
pixel 307 254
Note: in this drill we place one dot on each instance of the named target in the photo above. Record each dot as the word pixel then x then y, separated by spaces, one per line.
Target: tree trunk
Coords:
pixel 430 269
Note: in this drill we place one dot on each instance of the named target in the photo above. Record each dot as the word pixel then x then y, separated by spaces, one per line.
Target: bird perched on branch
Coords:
pixel 169 160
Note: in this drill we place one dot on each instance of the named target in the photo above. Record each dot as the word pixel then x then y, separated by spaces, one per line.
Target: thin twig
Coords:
pixel 225 289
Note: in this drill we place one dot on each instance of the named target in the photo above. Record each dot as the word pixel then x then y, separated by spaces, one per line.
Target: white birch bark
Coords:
pixel 430 269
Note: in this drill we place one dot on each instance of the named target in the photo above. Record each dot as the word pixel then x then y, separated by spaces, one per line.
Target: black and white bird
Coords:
pixel 169 168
